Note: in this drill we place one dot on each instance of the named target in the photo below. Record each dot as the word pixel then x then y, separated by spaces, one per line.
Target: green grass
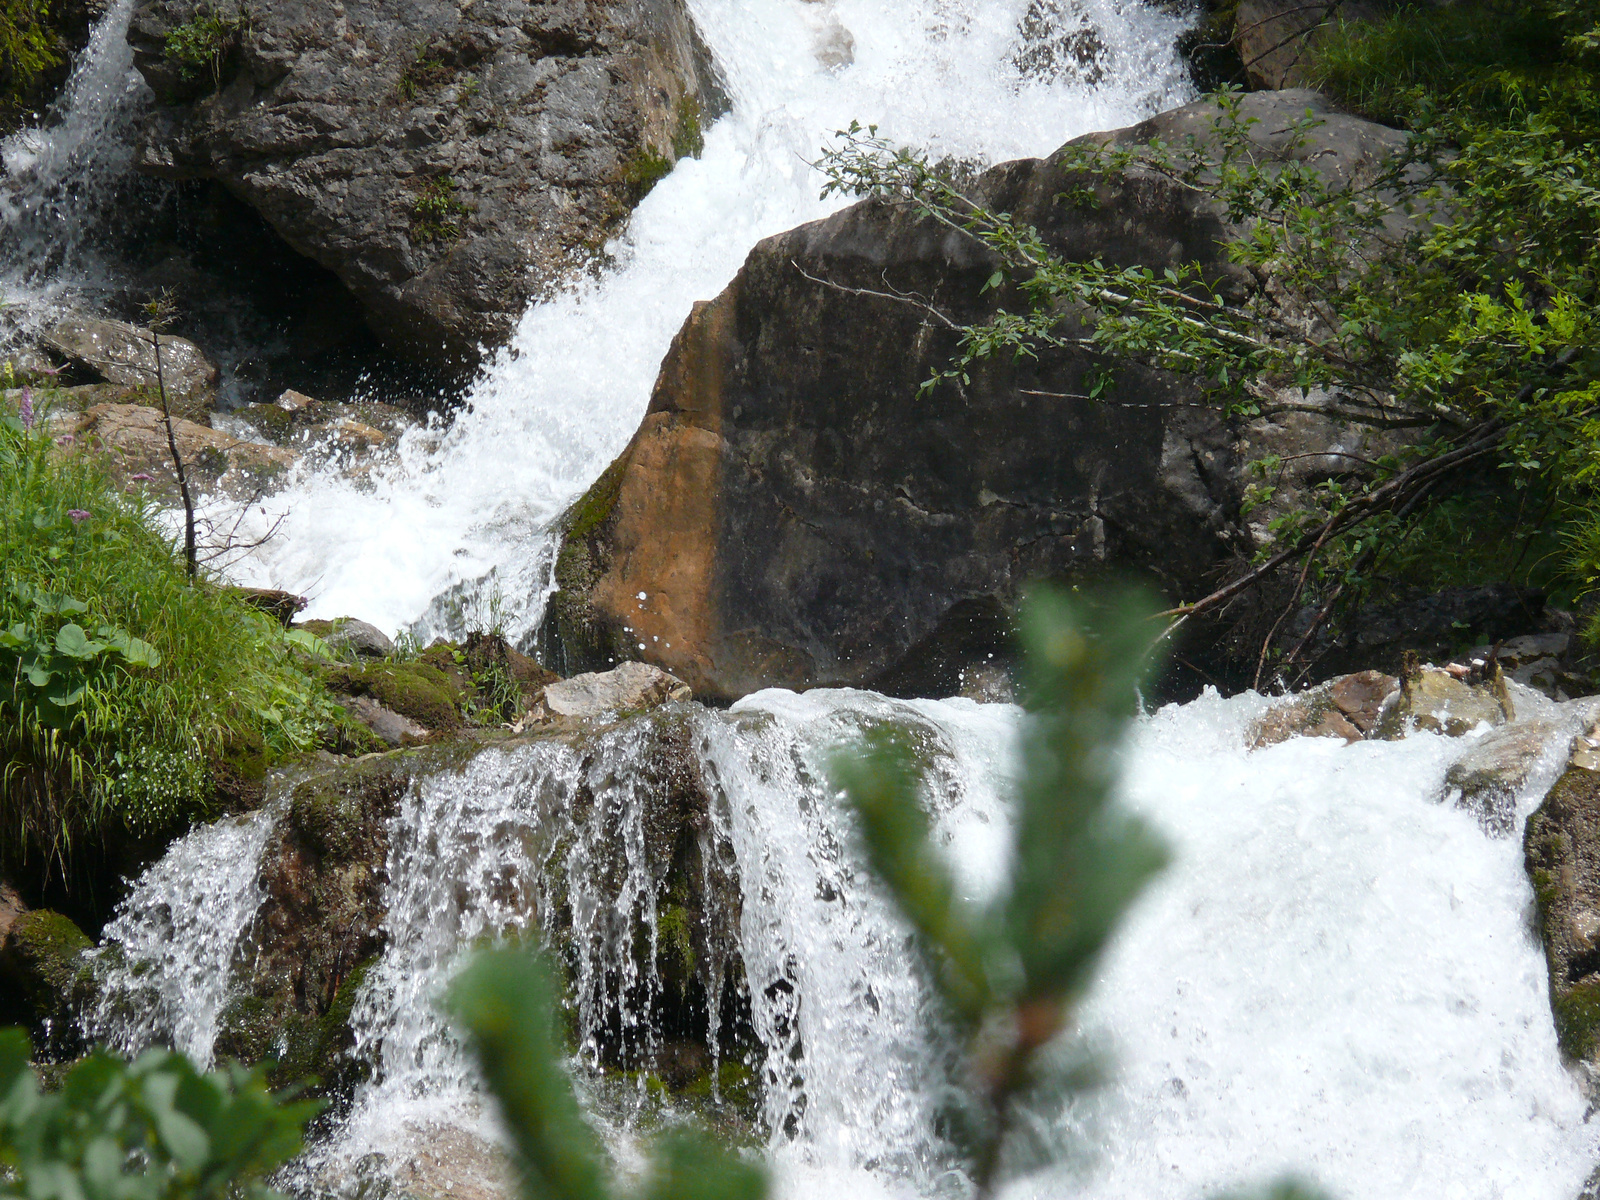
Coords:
pixel 1495 58
pixel 123 686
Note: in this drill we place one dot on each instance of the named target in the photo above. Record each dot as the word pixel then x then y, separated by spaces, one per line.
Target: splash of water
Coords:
pixel 165 966
pixel 464 512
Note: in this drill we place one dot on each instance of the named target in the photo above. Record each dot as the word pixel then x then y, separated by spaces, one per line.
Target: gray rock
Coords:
pixel 446 160
pixel 1486 780
pixel 386 724
pixel 359 638
pixel 125 354
pixel 628 688
pixel 791 512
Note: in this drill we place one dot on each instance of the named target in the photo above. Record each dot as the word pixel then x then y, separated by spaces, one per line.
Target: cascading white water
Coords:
pixel 59 176
pixel 1336 975
pixel 166 959
pixel 469 506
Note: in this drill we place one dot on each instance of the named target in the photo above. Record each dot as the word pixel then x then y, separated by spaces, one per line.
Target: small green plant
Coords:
pixel 152 1129
pixel 642 171
pixel 200 46
pixel 428 70
pixel 437 211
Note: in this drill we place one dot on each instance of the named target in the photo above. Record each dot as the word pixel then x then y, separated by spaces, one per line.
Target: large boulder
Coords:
pixel 792 513
pixel 446 161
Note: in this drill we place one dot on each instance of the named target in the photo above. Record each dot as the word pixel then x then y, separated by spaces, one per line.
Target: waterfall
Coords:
pixel 464 511
pixel 1336 975
pixel 62 178
pixel 165 963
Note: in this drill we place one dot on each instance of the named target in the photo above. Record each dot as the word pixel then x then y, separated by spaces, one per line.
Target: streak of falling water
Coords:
pixel 166 960
pixel 61 177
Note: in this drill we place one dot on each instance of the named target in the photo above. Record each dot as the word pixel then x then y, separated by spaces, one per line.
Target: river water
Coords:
pixel 1335 977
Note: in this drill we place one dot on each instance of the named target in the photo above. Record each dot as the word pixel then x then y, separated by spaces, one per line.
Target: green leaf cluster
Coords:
pixel 121 679
pixel 200 45
pixel 28 48
pixel 152 1129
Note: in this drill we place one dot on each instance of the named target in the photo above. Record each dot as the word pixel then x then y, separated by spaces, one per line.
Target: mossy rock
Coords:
pixel 306 1049
pixel 43 959
pixel 1561 853
pixel 415 689
pixel 573 637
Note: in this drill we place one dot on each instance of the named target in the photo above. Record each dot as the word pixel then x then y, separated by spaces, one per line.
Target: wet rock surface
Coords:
pixel 628 688
pixel 116 352
pixel 792 513
pixel 446 162
pixel 133 438
pixel 1561 848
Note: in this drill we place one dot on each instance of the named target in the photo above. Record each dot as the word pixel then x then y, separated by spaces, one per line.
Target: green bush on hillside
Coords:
pixel 123 685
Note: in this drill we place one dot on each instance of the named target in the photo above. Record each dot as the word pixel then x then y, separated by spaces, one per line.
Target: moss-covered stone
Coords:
pixel 574 637
pixel 306 1049
pixel 415 689
pixel 1561 851
pixel 42 959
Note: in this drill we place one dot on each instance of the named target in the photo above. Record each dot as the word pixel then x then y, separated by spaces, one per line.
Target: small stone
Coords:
pixel 292 401
pixel 628 688
pixel 1585 925
pixel 386 724
pixel 121 353
pixel 360 638
pixel 1335 724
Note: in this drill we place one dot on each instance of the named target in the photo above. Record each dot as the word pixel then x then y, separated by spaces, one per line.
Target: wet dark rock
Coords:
pixel 445 161
pixel 1487 779
pixel 792 513
pixel 1561 848
pixel 320 924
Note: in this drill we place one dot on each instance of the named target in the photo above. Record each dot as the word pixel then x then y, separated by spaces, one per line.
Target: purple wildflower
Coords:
pixel 66 439
pixel 79 515
pixel 141 477
pixel 27 408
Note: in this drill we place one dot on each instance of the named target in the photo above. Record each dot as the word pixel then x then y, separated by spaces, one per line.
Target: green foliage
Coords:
pixel 1009 970
pixel 28 47
pixel 437 211
pixel 1494 58
pixel 506 1003
pixel 425 72
pixel 643 170
pixel 200 45
pixel 121 681
pixel 152 1129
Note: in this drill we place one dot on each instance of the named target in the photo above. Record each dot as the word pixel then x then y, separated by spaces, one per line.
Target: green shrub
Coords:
pixel 121 682
pixel 28 48
pixel 153 1129
pixel 200 45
